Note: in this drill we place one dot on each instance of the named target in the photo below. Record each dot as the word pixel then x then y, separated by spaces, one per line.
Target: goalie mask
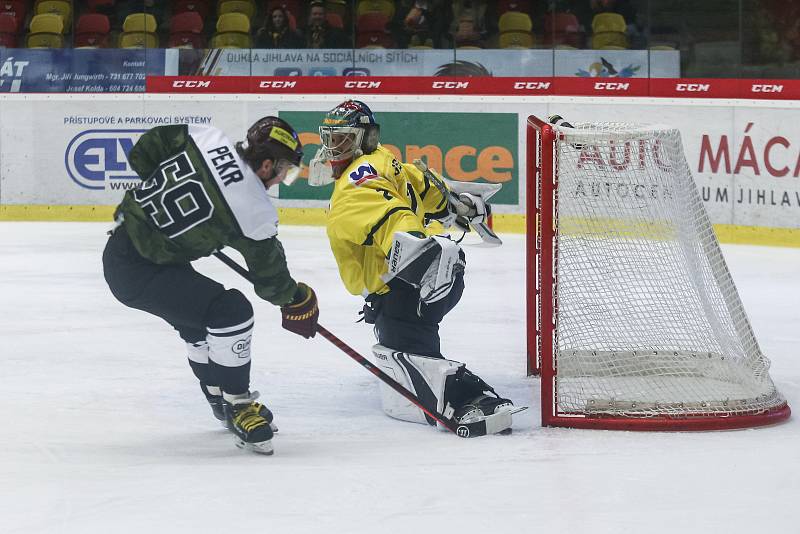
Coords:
pixel 274 139
pixel 348 131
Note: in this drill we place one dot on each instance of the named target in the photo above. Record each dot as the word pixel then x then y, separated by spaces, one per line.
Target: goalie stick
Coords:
pixel 465 430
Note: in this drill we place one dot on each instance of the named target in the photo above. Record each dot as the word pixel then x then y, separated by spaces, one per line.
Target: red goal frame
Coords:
pixel 542 306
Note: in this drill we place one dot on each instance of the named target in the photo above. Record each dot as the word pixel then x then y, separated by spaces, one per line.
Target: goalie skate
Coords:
pixel 494 412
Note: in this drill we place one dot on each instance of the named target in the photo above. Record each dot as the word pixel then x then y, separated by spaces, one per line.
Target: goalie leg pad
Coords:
pixel 423 376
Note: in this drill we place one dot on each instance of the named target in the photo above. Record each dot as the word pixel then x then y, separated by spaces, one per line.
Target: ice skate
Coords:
pixel 247 421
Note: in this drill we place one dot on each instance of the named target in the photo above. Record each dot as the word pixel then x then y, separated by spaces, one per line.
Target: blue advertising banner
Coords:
pixel 70 70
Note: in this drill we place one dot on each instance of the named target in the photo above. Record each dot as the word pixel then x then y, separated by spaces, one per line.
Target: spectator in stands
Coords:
pixel 470 25
pixel 320 34
pixel 276 33
pixel 420 22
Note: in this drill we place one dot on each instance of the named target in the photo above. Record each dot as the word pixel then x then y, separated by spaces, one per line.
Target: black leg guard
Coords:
pixel 230 325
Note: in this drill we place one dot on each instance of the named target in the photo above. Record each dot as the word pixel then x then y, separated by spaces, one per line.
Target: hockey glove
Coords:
pixel 302 313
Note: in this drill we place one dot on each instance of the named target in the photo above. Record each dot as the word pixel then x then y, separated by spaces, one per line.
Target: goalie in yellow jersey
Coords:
pixel 382 224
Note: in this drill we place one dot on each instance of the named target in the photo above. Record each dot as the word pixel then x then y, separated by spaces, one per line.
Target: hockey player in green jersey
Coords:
pixel 382 224
pixel 200 193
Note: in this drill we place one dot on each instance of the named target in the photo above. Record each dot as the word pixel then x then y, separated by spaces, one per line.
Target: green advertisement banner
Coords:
pixel 463 146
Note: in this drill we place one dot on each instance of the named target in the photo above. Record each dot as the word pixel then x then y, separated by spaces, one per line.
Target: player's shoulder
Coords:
pixel 371 169
pixel 207 135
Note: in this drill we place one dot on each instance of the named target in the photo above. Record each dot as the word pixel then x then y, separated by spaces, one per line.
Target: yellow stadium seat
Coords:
pixel 44 40
pixel 138 40
pixel 514 21
pixel 233 22
pixel 47 23
pixel 231 40
pixel 608 22
pixel 375 6
pixel 662 47
pixel 516 40
pixel 237 6
pixel 604 39
pixel 61 8
pixel 140 22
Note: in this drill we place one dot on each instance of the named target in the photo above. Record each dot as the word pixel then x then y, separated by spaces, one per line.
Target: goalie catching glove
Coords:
pixel 467 209
pixel 467 204
pixel 302 313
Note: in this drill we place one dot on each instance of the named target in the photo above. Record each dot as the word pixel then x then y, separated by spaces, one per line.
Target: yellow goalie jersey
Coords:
pixel 375 197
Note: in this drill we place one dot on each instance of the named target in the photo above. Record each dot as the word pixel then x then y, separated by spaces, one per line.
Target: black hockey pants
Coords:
pixel 176 293
pixel 400 326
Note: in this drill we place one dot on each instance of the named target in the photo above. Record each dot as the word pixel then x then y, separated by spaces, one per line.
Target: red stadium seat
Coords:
pixel 8 30
pixel 202 7
pixel 372 31
pixel 186 22
pixel 561 29
pixel 374 40
pixel 334 20
pixel 16 8
pixel 92 30
pixel 186 40
pixel 513 5
pixel 372 22
pixel 186 31
pixel 97 6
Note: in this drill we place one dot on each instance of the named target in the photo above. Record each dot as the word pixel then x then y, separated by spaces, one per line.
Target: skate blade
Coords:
pixel 264 447
pixel 272 426
pixel 515 409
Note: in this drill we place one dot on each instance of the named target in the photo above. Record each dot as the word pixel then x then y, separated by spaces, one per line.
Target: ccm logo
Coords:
pixel 611 86
pixel 361 84
pixel 532 85
pixel 763 88
pixel 278 84
pixel 450 85
pixel 191 83
pixel 693 87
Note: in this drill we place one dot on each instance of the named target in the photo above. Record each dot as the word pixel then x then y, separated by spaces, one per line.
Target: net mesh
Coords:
pixel 648 320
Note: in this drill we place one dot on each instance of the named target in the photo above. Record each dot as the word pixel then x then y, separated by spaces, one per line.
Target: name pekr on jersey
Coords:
pixel 198 196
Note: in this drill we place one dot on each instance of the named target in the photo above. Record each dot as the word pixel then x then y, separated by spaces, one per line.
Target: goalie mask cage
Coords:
pixel 634 321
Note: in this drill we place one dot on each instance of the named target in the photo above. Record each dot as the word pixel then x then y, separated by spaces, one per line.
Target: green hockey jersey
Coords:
pixel 197 195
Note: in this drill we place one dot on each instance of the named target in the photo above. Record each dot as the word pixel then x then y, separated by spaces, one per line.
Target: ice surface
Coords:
pixel 105 429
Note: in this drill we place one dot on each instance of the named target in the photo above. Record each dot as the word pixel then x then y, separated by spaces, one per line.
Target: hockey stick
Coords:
pixel 466 430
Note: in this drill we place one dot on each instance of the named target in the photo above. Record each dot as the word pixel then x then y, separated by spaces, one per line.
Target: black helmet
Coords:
pixel 271 138
pixel 359 132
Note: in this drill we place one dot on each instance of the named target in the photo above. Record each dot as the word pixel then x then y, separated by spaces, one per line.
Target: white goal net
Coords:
pixel 648 322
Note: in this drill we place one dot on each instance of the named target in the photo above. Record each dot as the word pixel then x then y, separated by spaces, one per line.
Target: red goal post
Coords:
pixel 678 352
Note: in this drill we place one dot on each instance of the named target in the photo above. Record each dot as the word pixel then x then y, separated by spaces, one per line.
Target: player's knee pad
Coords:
pixel 229 324
pixel 424 376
